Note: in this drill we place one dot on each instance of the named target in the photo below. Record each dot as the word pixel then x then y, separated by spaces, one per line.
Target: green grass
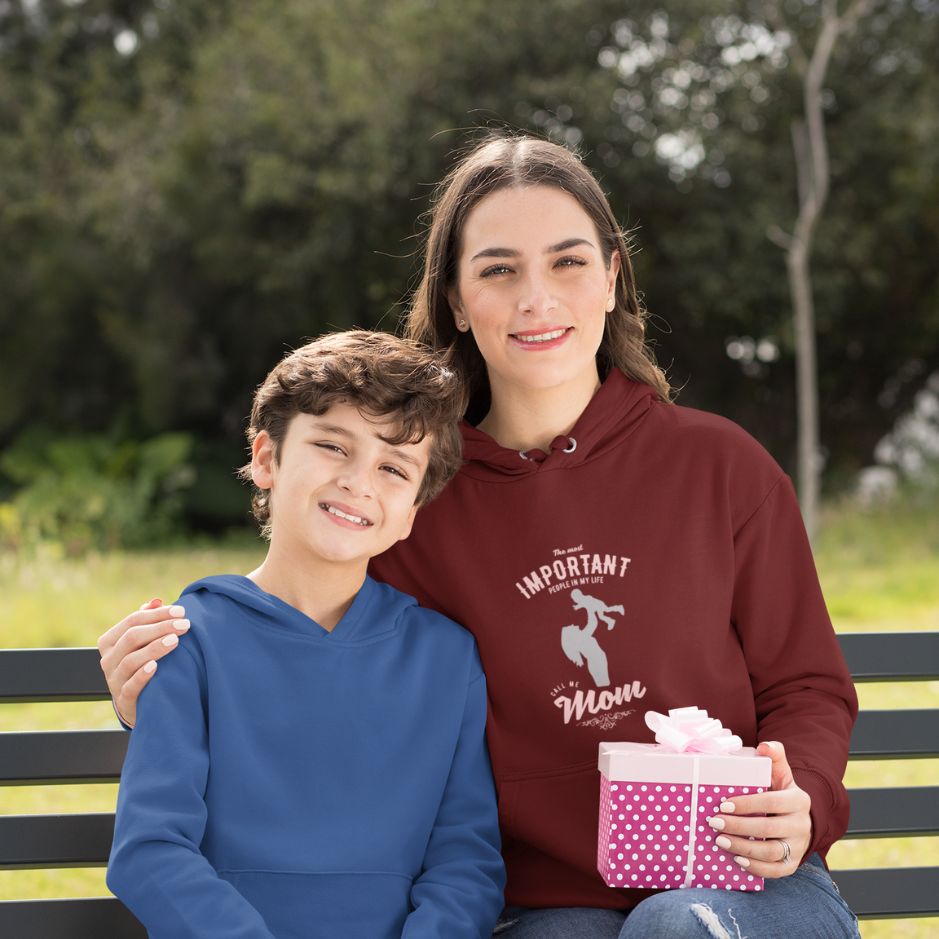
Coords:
pixel 54 601
pixel 879 572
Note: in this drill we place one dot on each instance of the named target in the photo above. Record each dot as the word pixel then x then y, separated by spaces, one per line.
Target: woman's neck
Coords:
pixel 530 418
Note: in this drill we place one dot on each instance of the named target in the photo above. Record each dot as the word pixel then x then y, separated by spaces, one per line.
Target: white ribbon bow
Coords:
pixel 691 730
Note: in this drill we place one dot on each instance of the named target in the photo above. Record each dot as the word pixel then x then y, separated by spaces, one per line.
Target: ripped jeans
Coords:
pixel 806 904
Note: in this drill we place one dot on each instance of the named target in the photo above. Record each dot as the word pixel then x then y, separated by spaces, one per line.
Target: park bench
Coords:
pixel 90 756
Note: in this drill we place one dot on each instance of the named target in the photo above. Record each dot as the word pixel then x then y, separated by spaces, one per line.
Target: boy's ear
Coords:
pixel 262 460
pixel 410 522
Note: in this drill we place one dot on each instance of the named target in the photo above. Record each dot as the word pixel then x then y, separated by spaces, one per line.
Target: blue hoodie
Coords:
pixel 285 781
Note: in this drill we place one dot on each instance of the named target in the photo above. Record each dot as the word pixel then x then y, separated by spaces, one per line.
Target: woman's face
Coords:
pixel 533 288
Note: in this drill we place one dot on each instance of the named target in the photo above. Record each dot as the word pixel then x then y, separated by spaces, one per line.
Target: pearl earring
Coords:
pixel 610 303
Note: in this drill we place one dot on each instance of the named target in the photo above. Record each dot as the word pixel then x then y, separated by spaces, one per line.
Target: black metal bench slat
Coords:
pixel 894 813
pixel 890 892
pixel 28 675
pixel 891 735
pixel 91 918
pixel 61 756
pixel 891 656
pixel 36 842
pixel 84 840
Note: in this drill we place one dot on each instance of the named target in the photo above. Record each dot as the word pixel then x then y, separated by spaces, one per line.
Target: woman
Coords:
pixel 586 492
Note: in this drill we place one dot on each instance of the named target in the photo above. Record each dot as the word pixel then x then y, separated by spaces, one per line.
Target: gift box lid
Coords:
pixel 650 762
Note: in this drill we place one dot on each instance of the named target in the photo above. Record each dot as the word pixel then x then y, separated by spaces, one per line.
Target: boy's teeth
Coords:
pixel 352 518
pixel 543 337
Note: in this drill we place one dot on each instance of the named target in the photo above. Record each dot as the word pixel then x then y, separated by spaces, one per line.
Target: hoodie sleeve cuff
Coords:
pixel 117 714
pixel 823 802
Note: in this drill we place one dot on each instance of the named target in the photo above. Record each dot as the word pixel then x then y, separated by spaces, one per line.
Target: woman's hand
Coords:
pixel 130 649
pixel 787 819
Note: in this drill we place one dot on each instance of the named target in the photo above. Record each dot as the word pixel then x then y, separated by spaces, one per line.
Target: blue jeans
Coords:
pixel 806 905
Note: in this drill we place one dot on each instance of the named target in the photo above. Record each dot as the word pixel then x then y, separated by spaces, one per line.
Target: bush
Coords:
pixel 907 457
pixel 94 491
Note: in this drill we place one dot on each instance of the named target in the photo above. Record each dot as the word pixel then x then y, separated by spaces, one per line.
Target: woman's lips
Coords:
pixel 541 338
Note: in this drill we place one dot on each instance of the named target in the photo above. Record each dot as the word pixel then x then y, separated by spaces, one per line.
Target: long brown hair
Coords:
pixel 501 162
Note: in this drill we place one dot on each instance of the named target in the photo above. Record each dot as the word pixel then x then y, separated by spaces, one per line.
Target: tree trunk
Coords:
pixel 811 156
pixel 810 464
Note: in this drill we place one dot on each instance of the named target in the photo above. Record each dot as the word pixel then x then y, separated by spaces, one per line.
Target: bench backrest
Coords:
pixel 889 893
pixel 84 756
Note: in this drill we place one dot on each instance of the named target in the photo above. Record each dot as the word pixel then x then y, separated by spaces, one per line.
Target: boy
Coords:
pixel 314 763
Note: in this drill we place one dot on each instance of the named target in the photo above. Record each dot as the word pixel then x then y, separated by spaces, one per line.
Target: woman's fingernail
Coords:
pixel 715 822
pixel 177 611
pixel 182 625
pixel 170 640
pixel 772 743
pixel 743 861
pixel 728 807
pixel 149 667
pixel 722 842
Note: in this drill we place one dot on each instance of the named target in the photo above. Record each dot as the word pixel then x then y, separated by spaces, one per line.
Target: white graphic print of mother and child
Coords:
pixel 565 573
pixel 579 644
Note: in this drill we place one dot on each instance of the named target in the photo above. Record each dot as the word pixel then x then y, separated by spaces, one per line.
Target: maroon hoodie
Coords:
pixel 656 558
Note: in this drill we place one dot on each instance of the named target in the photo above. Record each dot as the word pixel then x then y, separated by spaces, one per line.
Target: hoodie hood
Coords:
pixel 373 615
pixel 614 413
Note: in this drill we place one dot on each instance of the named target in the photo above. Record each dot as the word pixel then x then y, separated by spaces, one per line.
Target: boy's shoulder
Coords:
pixel 430 628
pixel 390 598
pixel 209 602
pixel 212 595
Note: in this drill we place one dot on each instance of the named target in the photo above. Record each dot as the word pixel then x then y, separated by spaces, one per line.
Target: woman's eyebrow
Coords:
pixel 565 245
pixel 496 253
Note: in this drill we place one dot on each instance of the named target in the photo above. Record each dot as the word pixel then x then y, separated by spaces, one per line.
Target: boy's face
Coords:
pixel 339 492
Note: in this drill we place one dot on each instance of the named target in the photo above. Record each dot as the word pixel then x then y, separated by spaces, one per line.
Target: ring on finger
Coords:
pixel 787 851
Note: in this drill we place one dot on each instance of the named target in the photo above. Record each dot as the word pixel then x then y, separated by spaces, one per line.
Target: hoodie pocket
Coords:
pixel 354 905
pixel 554 811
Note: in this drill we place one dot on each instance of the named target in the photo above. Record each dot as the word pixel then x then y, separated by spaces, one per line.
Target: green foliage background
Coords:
pixel 93 491
pixel 247 173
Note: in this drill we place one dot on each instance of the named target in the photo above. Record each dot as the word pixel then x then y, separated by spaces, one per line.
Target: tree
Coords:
pixel 811 157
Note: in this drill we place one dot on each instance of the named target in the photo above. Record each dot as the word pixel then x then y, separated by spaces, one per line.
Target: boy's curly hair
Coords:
pixel 385 377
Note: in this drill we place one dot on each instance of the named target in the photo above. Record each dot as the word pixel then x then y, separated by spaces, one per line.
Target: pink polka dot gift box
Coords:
pixel 655 800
